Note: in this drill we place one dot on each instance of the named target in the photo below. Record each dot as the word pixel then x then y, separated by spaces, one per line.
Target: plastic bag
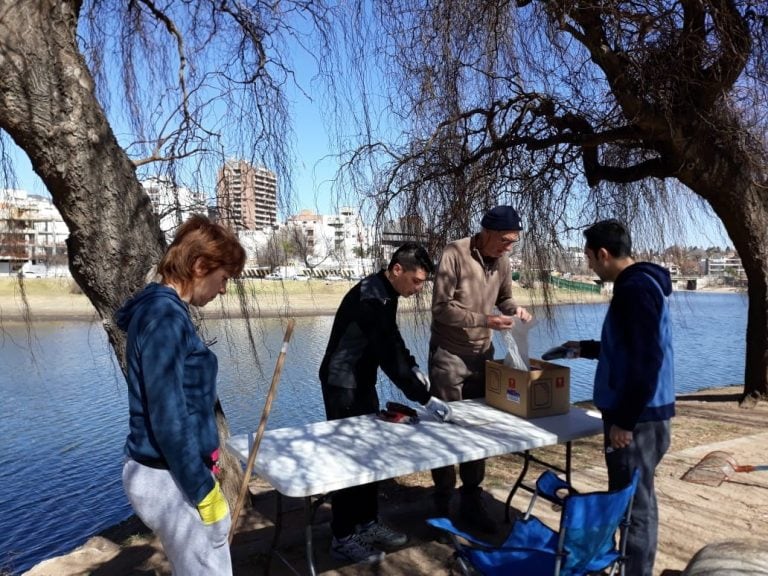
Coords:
pixel 516 339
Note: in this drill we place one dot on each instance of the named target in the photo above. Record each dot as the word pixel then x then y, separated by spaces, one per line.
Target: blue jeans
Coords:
pixel 650 441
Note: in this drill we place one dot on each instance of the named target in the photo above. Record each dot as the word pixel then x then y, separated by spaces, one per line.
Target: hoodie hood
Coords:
pixel 148 294
pixel 658 273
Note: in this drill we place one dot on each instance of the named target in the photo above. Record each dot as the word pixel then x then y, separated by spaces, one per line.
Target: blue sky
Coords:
pixel 312 171
pixel 315 165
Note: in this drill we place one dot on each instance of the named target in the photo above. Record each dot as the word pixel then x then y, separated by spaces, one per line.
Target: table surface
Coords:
pixel 325 456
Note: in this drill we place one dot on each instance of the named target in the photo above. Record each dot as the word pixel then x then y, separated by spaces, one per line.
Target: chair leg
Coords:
pixel 466 570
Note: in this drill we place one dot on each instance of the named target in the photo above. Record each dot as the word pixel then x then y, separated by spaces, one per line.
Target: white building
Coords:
pixel 335 241
pixel 255 243
pixel 172 204
pixel 32 232
pixel 726 266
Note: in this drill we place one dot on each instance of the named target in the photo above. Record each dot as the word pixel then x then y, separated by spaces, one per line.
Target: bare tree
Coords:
pixel 305 247
pixel 96 92
pixel 572 110
pixel 278 249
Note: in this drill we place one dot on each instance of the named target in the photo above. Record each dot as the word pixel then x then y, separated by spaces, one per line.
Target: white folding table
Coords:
pixel 315 459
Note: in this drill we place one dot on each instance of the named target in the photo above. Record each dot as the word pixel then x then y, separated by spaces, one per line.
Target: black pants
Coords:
pixel 357 505
pixel 456 377
pixel 650 441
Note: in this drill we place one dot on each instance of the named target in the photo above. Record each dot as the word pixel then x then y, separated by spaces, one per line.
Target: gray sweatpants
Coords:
pixel 192 548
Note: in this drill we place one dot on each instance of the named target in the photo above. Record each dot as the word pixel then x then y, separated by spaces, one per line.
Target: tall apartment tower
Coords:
pixel 246 196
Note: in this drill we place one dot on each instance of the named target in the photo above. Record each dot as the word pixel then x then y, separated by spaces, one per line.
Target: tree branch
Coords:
pixel 176 33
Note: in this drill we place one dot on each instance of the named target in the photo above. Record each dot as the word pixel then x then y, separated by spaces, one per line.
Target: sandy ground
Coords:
pixel 691 515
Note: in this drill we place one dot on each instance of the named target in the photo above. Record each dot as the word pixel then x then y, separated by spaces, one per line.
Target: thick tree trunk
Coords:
pixel 725 175
pixel 745 218
pixel 48 106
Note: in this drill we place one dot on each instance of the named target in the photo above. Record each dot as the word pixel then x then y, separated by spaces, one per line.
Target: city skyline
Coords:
pixel 312 190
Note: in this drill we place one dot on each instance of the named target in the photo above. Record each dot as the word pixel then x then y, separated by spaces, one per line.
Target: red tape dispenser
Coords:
pixel 398 413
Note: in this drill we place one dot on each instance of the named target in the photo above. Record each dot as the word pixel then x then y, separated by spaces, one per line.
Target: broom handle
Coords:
pixel 751 468
pixel 260 431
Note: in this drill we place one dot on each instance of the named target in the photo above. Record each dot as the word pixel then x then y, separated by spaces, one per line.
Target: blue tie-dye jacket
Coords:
pixel 171 378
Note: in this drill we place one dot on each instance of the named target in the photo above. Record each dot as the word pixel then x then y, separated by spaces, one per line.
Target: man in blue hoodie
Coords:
pixel 634 381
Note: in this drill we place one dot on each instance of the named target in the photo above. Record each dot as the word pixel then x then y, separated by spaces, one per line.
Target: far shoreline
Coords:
pixel 52 300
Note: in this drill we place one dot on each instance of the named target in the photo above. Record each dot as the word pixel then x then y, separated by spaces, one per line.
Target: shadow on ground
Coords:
pixel 405 508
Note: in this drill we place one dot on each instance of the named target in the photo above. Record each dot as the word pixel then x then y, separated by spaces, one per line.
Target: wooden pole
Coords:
pixel 260 431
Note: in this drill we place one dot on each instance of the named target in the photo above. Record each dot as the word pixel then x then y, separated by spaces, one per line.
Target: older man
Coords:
pixel 472 278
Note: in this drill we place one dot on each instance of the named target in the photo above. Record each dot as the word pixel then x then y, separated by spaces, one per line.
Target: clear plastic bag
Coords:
pixel 516 339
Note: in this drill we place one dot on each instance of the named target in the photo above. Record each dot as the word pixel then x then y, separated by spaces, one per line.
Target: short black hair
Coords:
pixel 611 235
pixel 411 256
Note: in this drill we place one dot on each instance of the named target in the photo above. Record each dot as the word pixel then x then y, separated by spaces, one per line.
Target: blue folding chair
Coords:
pixel 585 542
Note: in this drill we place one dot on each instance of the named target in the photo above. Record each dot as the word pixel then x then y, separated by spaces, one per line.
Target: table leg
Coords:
pixel 517 484
pixel 527 459
pixel 309 515
pixel 276 535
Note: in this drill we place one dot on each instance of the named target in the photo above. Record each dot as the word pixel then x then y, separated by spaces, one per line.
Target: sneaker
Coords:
pixel 473 511
pixel 377 534
pixel 354 549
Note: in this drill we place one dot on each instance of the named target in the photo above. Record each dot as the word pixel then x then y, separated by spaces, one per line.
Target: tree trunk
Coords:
pixel 49 108
pixel 746 220
pixel 724 171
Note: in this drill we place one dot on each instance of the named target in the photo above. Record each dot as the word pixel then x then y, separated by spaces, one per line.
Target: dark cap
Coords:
pixel 501 218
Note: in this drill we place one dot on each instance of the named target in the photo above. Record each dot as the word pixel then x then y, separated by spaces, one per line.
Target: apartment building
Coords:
pixel 173 204
pixel 31 231
pixel 334 242
pixel 724 266
pixel 340 238
pixel 246 196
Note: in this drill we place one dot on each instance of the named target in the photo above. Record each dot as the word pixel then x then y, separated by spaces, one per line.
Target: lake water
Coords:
pixel 63 407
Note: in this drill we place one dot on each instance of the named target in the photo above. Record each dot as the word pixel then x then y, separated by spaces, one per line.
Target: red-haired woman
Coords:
pixel 172 444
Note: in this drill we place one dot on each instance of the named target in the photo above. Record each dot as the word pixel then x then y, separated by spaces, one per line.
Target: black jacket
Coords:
pixel 365 337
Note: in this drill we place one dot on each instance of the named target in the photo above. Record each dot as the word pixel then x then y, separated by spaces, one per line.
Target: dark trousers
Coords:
pixel 359 504
pixel 650 441
pixel 456 377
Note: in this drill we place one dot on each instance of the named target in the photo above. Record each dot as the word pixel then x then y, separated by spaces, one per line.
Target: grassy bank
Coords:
pixel 38 287
pixel 51 298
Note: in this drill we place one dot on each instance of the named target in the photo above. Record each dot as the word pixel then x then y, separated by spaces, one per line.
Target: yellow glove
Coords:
pixel 213 508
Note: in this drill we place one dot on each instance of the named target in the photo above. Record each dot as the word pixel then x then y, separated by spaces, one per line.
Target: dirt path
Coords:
pixel 691 515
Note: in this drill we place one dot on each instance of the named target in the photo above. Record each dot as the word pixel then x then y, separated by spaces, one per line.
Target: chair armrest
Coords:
pixel 551 487
pixel 446 525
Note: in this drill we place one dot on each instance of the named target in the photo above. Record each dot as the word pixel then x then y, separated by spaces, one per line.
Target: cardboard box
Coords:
pixel 528 394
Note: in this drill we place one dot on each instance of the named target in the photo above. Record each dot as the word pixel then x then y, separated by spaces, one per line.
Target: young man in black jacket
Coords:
pixel 364 338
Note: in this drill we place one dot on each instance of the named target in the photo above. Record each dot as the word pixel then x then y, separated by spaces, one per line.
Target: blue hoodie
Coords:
pixel 171 378
pixel 634 381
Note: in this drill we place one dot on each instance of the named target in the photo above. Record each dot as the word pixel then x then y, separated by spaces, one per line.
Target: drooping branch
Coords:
pixel 178 38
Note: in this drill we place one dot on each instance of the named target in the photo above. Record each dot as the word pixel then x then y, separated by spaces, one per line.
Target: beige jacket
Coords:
pixel 465 292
